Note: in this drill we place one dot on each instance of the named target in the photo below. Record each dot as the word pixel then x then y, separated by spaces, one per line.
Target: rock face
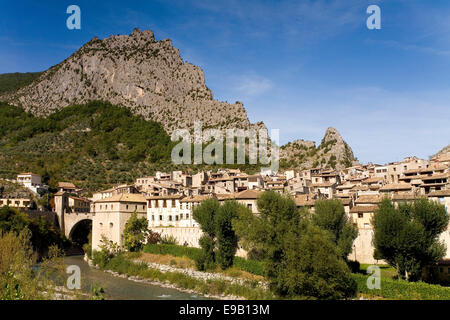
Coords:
pixel 150 78
pixel 333 152
pixel 9 190
pixel 135 71
pixel 445 151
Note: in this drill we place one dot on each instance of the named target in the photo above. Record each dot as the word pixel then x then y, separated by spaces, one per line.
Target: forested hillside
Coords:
pixel 94 145
pixel 13 81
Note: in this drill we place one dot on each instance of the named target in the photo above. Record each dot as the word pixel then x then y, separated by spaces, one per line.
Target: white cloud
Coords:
pixel 252 85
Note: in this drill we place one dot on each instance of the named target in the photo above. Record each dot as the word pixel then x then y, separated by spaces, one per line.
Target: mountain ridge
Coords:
pixel 151 79
pixel 135 71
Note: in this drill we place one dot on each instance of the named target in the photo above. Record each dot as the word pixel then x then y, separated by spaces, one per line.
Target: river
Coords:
pixel 123 289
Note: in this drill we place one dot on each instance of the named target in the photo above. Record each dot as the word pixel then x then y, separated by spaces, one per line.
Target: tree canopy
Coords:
pixel 300 259
pixel 407 236
pixel 330 215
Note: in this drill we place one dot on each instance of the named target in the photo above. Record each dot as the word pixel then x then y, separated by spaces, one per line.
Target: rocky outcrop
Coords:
pixel 444 152
pixel 135 71
pixel 333 152
pixel 10 190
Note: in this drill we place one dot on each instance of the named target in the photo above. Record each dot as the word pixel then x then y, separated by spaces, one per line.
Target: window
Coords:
pixel 164 204
pixel 111 224
pixel 127 207
pixel 181 216
pixel 176 218
pixel 360 215
pixel 249 206
pixel 156 204
pixel 153 218
pixel 160 218
pixel 170 218
pixel 173 203
pixel 187 216
pixel 150 204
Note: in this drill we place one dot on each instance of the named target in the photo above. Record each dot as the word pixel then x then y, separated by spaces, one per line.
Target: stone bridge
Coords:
pixel 70 222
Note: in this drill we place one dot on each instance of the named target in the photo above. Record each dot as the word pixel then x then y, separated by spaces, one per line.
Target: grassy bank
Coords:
pixel 251 266
pixel 399 289
pixel 402 289
pixel 122 264
pixel 183 257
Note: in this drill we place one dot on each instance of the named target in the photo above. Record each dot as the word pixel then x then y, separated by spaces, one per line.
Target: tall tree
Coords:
pixel 205 214
pixel 219 242
pixel 407 237
pixel 227 241
pixel 300 259
pixel 135 232
pixel 330 215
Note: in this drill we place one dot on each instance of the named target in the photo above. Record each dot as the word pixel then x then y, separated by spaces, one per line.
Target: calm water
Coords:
pixel 123 289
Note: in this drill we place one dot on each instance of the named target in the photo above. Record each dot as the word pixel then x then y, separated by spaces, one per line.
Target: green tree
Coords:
pixel 227 241
pixel 19 280
pixel 43 233
pixel 330 215
pixel 299 258
pixel 407 237
pixel 205 214
pixel 135 232
pixel 219 242
pixel 313 266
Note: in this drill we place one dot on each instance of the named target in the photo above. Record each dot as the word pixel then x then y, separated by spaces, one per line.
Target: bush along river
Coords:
pixel 117 288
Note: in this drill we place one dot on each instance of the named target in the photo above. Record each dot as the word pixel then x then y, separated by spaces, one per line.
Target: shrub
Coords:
pixel 168 239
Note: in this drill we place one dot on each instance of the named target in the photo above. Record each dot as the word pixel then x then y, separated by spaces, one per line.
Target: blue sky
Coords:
pixel 299 66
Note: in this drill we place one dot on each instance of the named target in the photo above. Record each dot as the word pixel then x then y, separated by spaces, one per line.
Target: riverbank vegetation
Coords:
pixel 43 234
pixel 122 263
pixel 20 279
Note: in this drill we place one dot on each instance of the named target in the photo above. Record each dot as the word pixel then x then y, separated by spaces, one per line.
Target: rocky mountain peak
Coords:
pixel 333 152
pixel 135 71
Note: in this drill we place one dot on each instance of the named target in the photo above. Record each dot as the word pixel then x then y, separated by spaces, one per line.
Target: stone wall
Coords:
pixel 191 235
pixel 363 248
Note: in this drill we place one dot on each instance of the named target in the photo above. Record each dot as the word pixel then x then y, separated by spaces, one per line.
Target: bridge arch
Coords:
pixel 79 232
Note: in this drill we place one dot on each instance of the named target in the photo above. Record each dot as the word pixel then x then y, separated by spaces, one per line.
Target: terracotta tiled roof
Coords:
pixel 243 195
pixel 345 201
pixel 167 197
pixel 198 198
pixel 363 209
pixel 368 199
pixel 322 185
pixel 66 185
pixel 405 196
pixel 439 193
pixel 345 186
pixel 396 186
pixel 436 176
pixel 125 197
pixel 304 200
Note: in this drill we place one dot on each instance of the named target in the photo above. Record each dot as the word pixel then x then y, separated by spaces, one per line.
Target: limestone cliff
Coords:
pixel 333 152
pixel 135 71
pixel 444 152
